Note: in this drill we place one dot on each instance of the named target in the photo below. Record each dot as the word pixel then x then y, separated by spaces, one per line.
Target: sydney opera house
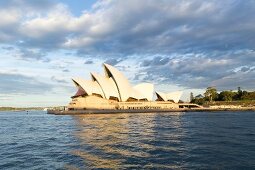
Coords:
pixel 113 91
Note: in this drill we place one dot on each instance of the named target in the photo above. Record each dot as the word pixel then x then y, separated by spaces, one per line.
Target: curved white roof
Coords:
pixel 175 96
pixel 115 84
pixel 161 96
pixel 88 86
pixel 107 85
pixel 124 88
pixel 145 90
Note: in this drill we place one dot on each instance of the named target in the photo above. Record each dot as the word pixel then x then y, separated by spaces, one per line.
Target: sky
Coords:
pixel 185 45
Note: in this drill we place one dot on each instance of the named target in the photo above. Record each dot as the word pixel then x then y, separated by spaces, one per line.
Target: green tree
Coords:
pixel 244 95
pixel 248 95
pixel 226 95
pixel 199 101
pixel 239 93
pixel 211 94
pixel 191 96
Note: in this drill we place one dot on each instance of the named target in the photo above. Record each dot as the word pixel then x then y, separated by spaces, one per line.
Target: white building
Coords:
pixel 109 90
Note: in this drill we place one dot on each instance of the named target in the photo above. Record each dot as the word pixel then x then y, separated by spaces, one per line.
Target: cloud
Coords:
pixel 8 48
pixel 156 61
pixel 242 79
pixel 192 44
pixel 26 54
pixel 14 13
pixel 66 70
pixel 153 28
pixel 59 80
pixel 245 69
pixel 201 70
pixel 28 4
pixel 112 61
pixel 164 26
pixel 89 62
pixel 20 84
pixel 32 54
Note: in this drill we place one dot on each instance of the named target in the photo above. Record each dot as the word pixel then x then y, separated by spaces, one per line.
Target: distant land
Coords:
pixel 26 108
pixel 239 98
pixel 20 108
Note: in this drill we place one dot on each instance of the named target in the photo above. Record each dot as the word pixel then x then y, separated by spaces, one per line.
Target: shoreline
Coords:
pixel 20 109
pixel 113 111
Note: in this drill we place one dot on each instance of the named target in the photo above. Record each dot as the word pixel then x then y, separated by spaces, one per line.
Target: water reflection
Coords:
pixel 213 140
pixel 128 140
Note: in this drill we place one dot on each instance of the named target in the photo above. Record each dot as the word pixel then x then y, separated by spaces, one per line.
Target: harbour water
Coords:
pixel 195 140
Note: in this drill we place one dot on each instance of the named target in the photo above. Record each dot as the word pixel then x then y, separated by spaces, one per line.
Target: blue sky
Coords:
pixel 177 45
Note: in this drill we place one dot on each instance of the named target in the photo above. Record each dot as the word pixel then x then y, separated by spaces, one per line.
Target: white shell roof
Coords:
pixel 145 91
pixel 89 86
pixel 107 85
pixel 161 95
pixel 124 88
pixel 175 96
pixel 115 84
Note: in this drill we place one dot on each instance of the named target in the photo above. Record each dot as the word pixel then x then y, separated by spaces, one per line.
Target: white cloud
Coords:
pixel 133 26
pixel 57 20
pixel 8 17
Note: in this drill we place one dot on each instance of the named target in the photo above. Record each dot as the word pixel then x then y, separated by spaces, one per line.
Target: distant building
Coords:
pixel 200 96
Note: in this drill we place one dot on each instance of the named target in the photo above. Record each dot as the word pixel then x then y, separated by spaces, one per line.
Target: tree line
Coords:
pixel 211 94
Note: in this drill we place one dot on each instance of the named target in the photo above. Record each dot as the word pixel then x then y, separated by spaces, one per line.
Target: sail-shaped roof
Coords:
pixel 161 96
pixel 107 85
pixel 145 91
pixel 88 86
pixel 124 88
pixel 175 96
pixel 115 85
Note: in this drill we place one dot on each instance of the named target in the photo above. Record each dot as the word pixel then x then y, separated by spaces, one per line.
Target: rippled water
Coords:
pixel 215 140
